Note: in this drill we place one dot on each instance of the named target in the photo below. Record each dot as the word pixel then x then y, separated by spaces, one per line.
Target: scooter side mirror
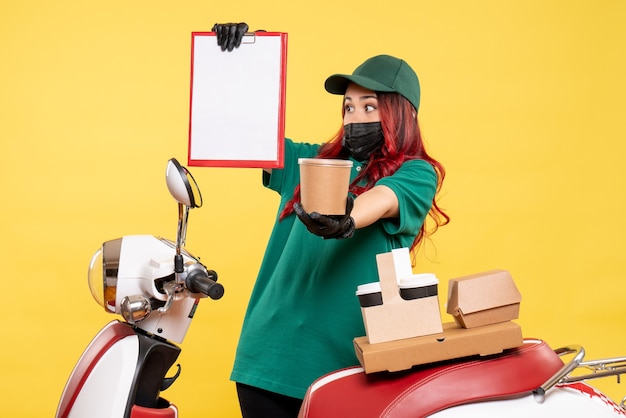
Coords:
pixel 181 185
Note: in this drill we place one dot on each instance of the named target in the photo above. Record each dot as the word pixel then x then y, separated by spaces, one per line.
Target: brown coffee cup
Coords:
pixel 369 294
pixel 419 286
pixel 324 185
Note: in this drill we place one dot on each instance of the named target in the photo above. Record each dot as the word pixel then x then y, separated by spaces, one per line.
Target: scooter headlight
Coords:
pixel 102 275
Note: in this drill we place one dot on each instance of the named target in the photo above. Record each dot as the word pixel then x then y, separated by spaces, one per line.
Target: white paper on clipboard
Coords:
pixel 237 105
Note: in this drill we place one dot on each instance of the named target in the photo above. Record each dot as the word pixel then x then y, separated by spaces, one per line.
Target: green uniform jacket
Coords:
pixel 303 313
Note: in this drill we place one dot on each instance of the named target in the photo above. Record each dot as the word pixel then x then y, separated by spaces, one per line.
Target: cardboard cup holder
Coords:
pixel 409 305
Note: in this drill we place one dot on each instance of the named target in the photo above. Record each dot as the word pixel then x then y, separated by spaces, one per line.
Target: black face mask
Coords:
pixel 362 139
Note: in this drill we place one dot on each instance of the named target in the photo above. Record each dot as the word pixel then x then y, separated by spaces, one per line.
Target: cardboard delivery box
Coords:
pixel 454 342
pixel 483 298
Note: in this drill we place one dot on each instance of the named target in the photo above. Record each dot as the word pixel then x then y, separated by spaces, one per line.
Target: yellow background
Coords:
pixel 522 101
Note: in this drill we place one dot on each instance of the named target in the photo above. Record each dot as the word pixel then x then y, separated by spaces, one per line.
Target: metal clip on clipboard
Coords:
pixel 249 38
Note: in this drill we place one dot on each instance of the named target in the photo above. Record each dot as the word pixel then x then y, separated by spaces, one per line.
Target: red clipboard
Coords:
pixel 237 101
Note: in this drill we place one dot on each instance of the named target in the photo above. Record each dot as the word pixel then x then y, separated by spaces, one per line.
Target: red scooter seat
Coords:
pixel 427 389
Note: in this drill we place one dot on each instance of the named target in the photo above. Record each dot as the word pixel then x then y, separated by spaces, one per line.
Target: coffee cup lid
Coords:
pixel 364 289
pixel 325 162
pixel 418 280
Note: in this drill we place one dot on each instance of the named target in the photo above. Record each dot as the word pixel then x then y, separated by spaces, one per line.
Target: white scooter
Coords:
pixel 155 285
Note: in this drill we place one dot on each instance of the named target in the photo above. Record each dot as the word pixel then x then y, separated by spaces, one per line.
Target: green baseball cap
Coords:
pixel 382 73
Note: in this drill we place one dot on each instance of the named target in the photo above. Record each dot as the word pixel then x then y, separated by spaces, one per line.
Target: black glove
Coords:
pixel 229 35
pixel 328 226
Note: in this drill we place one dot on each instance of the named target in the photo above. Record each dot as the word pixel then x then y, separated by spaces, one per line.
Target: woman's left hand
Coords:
pixel 229 35
pixel 328 226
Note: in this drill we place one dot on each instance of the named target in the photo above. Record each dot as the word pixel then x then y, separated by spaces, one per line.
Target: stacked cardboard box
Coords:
pixel 404 333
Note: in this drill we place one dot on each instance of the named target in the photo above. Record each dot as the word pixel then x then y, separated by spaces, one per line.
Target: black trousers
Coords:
pixel 260 403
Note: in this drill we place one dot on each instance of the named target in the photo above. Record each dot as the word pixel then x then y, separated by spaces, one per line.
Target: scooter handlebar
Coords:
pixel 203 281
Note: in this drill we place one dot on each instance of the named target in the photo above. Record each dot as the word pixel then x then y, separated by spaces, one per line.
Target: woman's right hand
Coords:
pixel 229 35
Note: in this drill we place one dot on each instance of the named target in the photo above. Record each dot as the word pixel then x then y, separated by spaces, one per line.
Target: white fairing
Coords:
pixel 106 390
pixel 174 324
pixel 145 258
pixel 572 401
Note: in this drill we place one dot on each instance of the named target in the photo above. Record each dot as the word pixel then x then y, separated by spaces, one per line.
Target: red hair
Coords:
pixel 403 142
